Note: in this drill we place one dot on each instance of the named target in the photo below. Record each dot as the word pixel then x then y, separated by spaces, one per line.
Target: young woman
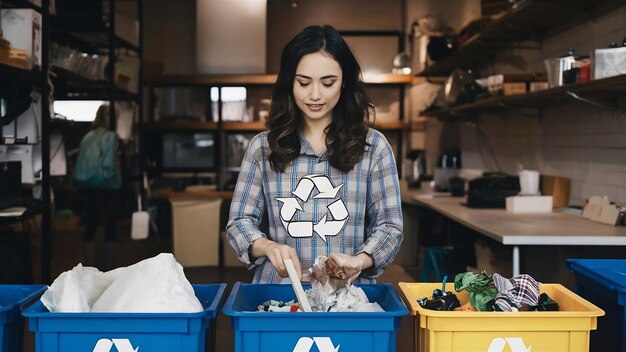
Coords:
pixel 328 183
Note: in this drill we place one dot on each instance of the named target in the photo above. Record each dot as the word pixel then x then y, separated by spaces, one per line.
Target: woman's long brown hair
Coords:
pixel 347 132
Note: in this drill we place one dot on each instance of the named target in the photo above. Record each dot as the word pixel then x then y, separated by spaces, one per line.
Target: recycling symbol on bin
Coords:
pixel 324 227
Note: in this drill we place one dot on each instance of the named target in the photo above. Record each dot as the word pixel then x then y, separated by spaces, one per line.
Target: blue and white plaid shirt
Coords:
pixel 316 208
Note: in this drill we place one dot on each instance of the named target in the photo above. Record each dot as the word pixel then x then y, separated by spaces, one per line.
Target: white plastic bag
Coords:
pixel 154 285
pixel 75 290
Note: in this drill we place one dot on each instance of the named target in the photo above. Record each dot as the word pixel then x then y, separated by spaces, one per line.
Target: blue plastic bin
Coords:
pixel 312 331
pixel 126 332
pixel 603 283
pixel 13 298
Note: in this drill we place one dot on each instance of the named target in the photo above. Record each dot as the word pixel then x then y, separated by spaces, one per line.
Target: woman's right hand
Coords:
pixel 276 253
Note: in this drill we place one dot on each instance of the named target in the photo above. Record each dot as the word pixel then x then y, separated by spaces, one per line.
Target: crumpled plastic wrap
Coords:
pixel 75 290
pixel 330 291
pixel 154 285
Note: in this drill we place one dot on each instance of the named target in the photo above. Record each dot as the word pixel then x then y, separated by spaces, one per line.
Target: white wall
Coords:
pixel 231 36
pixel 575 140
pixel 285 21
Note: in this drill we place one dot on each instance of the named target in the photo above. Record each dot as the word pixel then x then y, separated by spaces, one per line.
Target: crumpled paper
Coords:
pixel 154 285
pixel 330 292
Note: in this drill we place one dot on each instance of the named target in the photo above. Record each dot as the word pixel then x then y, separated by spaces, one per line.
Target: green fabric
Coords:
pixel 96 167
pixel 479 286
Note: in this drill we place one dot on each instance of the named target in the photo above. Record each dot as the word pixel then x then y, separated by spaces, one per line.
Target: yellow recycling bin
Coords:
pixel 440 331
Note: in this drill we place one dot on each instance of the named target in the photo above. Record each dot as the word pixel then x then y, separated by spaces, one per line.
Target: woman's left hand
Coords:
pixel 349 267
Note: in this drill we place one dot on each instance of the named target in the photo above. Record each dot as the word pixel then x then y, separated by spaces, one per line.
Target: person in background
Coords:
pixel 97 178
pixel 328 183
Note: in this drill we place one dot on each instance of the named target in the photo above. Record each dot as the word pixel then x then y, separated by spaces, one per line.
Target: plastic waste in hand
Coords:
pixel 297 286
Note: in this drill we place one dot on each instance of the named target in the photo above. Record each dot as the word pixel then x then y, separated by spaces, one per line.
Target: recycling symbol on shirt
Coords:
pixel 324 227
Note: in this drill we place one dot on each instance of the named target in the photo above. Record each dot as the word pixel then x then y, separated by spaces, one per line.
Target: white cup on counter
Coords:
pixel 529 182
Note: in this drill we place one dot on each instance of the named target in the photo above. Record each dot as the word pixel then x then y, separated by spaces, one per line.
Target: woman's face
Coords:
pixel 317 86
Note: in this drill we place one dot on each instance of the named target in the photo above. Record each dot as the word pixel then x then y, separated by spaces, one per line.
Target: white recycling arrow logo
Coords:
pixel 324 344
pixel 122 345
pixel 303 191
pixel 515 343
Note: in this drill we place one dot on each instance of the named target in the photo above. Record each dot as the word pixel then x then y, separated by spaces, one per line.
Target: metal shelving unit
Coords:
pixel 224 128
pixel 101 39
pixel 529 20
pixel 602 93
pixel 38 79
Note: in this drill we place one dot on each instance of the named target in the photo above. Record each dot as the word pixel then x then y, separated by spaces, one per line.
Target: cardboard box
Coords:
pixel 558 187
pixel 195 231
pixel 22 27
pixel 514 88
pixel 529 204
pixel 538 86
pixel 496 83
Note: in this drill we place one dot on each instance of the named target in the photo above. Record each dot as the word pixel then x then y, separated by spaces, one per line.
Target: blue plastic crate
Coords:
pixel 312 331
pixel 12 299
pixel 603 283
pixel 126 332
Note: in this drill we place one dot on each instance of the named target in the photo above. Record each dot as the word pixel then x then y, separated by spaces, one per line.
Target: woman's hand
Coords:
pixel 347 268
pixel 276 253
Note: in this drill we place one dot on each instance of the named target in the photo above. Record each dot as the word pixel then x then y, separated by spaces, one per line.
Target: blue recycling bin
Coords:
pixel 127 332
pixel 13 298
pixel 603 283
pixel 312 331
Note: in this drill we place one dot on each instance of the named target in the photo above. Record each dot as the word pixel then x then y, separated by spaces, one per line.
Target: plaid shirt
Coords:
pixel 316 208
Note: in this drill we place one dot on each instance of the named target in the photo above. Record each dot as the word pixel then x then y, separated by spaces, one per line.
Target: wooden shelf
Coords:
pixel 217 80
pixel 601 91
pixel 530 20
pixel 256 80
pixel 18 74
pixel 72 86
pixel 387 78
pixel 243 126
pixel 20 4
pixel 237 126
pixel 182 125
pixel 96 36
pixel 389 125
pixel 169 193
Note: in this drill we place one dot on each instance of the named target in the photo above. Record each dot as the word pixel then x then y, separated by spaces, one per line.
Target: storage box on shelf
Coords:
pixel 17 22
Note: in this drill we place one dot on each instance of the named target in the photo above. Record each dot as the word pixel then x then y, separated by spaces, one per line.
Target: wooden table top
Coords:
pixel 556 228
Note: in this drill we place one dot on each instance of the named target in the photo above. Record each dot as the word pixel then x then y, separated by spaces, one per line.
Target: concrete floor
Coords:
pixel 67 251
